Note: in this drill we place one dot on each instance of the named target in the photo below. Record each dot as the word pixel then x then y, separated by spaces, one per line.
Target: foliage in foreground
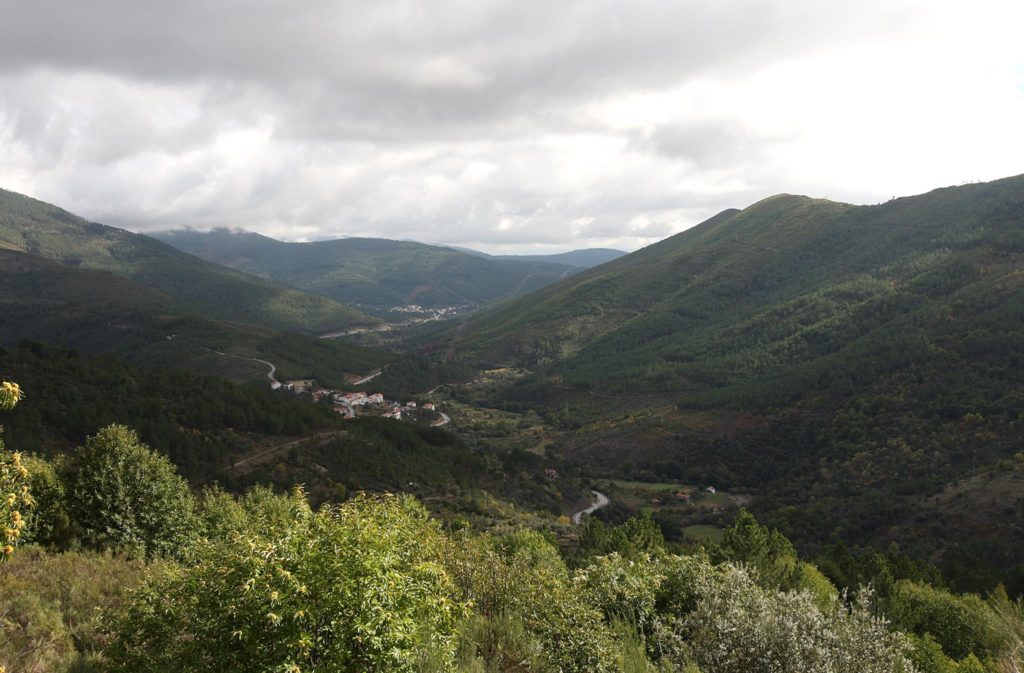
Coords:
pixel 354 588
pixel 14 483
pixel 263 582
pixel 50 606
pixel 375 585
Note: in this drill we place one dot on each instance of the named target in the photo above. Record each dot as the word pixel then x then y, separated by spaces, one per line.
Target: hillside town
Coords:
pixel 426 314
pixel 359 403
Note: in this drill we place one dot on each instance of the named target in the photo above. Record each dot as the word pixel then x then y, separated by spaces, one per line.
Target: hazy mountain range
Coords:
pixel 379 274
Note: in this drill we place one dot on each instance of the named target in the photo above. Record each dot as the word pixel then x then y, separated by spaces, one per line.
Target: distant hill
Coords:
pixel 371 273
pixel 581 259
pixel 44 230
pixel 843 362
pixel 99 312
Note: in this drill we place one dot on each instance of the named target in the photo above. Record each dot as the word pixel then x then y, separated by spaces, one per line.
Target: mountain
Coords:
pixel 374 274
pixel 99 312
pixel 790 275
pixel 44 230
pixel 857 368
pixel 582 259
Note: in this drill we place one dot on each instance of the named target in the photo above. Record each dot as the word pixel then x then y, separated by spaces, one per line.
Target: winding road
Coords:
pixel 273 369
pixel 270 374
pixel 600 500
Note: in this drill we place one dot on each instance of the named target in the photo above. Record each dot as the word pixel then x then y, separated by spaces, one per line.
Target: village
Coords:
pixel 359 403
pixel 427 314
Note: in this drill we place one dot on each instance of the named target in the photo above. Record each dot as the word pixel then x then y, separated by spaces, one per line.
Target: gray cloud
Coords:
pixel 494 123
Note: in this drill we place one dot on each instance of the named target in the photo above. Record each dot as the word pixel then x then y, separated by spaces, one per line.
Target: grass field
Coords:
pixel 703 534
pixel 715 500
pixel 645 485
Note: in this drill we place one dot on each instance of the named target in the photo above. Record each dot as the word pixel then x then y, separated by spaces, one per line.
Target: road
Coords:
pixel 270 374
pixel 519 288
pixel 369 378
pixel 600 500
pixel 273 369
pixel 278 448
pixel 445 420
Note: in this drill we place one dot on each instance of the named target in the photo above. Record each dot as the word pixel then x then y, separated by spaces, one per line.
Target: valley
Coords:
pixel 848 375
pixel 512 337
pixel 788 351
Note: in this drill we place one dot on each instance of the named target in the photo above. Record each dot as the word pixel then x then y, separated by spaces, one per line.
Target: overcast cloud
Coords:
pixel 505 126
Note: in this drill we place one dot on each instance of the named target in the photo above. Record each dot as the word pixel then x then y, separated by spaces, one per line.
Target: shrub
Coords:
pixel 121 494
pixel 521 576
pixel 961 625
pixel 739 627
pixel 15 496
pixel 48 521
pixel 356 588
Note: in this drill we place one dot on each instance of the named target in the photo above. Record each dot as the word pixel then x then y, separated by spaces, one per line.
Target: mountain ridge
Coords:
pixel 374 273
pixel 99 312
pixel 48 231
pixel 844 363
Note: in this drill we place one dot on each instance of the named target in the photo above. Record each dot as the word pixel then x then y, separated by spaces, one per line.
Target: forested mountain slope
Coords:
pixel 44 230
pixel 375 274
pixel 857 368
pixel 98 312
pixel 751 293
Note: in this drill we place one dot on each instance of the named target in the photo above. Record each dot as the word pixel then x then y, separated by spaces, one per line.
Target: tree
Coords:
pixel 774 559
pixel 48 521
pixel 15 495
pixel 633 539
pixel 122 494
pixel 740 627
pixel 766 551
pixel 960 624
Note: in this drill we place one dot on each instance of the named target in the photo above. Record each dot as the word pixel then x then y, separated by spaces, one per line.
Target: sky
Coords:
pixel 506 126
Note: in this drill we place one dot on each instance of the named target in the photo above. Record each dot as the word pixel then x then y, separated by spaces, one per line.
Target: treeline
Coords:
pixel 378 454
pixel 415 375
pixel 204 425
pixel 329 361
pixel 201 423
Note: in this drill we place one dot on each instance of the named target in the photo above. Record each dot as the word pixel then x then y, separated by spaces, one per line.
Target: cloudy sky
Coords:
pixel 508 126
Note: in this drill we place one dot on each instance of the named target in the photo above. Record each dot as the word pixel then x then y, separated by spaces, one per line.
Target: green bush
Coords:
pixel 15 496
pixel 740 627
pixel 355 588
pixel 961 625
pixel 48 521
pixel 622 589
pixel 521 576
pixel 121 494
